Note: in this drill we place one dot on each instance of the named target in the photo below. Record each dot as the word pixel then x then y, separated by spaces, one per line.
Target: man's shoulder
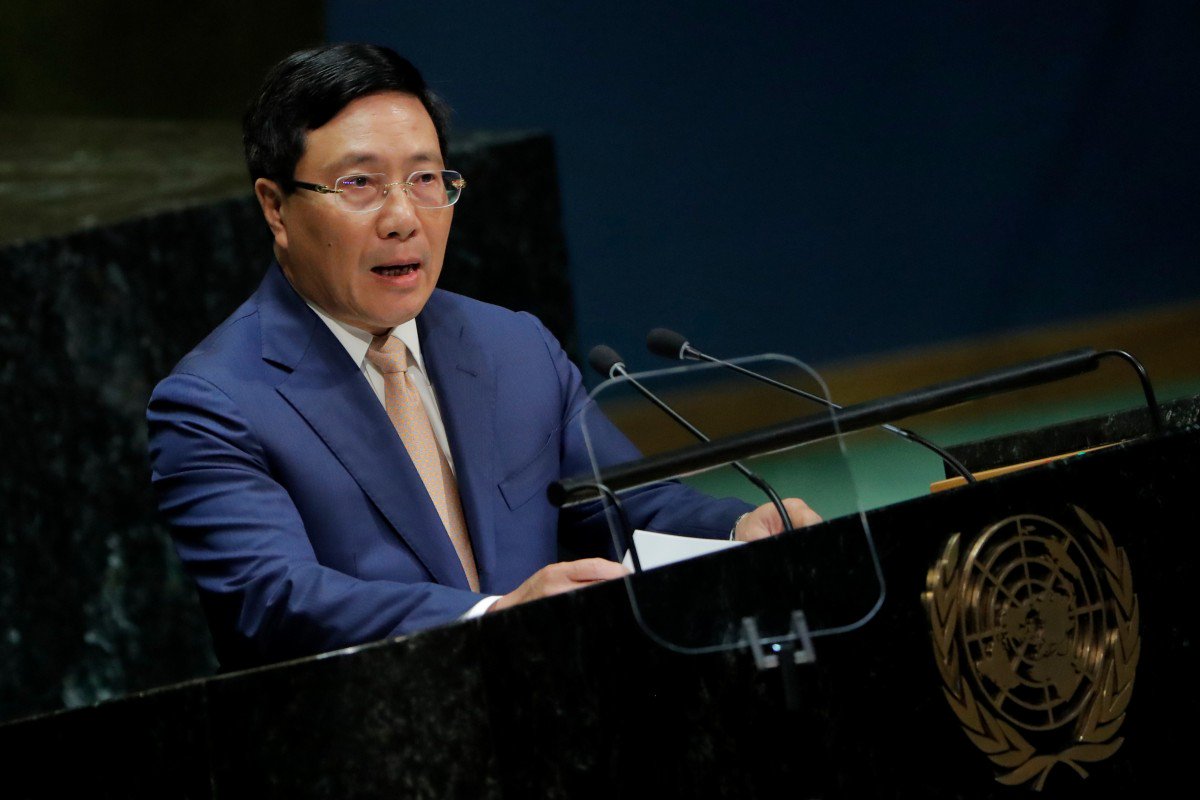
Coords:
pixel 443 300
pixel 486 318
pixel 237 337
pixel 236 347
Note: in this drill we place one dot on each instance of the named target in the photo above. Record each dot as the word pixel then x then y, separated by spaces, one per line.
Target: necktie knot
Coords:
pixel 388 354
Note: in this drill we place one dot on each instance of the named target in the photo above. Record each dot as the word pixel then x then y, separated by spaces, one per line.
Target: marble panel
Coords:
pixel 92 602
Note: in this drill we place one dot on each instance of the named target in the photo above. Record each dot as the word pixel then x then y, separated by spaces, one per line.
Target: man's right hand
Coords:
pixel 564 576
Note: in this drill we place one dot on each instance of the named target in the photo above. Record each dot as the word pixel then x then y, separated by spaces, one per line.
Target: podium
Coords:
pixel 568 697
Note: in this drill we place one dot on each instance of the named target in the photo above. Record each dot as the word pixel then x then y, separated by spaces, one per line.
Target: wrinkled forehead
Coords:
pixel 384 132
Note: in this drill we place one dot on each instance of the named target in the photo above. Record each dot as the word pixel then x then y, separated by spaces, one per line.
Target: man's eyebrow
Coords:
pixel 353 160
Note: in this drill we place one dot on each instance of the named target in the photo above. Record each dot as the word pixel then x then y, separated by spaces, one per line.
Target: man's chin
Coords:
pixel 382 323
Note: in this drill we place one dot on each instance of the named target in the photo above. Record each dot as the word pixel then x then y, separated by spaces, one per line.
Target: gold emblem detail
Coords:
pixel 1035 633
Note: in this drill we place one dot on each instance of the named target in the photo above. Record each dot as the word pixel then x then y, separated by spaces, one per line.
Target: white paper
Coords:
pixel 660 549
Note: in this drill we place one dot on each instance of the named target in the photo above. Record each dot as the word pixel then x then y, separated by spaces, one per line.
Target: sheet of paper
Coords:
pixel 660 549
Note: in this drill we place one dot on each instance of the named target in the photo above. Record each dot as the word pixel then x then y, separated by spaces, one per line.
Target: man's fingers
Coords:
pixel 765 521
pixel 561 577
pixel 588 570
pixel 800 512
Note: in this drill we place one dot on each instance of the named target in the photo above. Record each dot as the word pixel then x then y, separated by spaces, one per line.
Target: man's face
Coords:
pixel 376 269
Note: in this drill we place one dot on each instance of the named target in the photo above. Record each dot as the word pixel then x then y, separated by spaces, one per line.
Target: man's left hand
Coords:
pixel 764 521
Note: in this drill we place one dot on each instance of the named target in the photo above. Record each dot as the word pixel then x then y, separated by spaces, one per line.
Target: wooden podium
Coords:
pixel 1077 576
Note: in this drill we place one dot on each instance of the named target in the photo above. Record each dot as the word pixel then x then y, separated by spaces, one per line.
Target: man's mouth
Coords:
pixel 395 271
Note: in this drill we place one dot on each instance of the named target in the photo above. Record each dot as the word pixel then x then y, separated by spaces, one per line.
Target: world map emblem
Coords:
pixel 1035 634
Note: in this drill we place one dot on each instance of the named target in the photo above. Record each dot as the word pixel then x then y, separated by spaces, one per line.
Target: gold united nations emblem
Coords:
pixel 1035 632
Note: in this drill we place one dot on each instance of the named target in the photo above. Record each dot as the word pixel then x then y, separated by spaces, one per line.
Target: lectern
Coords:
pixel 1037 637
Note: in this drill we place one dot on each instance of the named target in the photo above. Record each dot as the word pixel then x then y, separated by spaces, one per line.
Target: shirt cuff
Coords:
pixel 736 522
pixel 480 608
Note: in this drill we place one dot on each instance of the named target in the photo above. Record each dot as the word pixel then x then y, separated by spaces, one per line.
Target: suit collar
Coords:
pixel 286 321
pixel 357 341
pixel 286 330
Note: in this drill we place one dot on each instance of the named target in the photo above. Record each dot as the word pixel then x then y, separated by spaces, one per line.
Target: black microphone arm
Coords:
pixel 697 458
pixel 609 363
pixel 670 344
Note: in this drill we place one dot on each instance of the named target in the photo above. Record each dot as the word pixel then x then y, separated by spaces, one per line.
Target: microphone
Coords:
pixel 672 345
pixel 608 362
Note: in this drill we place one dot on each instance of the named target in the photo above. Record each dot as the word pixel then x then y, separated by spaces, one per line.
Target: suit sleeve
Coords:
pixel 243 541
pixel 667 506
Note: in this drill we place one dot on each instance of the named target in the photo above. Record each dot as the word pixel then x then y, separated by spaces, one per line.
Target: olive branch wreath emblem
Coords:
pixel 1095 736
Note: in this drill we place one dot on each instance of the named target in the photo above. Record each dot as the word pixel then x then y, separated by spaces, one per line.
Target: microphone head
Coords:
pixel 604 360
pixel 666 343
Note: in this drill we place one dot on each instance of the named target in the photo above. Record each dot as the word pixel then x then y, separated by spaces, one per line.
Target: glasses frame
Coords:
pixel 406 184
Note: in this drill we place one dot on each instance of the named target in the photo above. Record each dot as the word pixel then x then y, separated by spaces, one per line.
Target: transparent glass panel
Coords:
pixel 829 572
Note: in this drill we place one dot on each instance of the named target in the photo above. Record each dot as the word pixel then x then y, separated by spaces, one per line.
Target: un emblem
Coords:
pixel 1035 633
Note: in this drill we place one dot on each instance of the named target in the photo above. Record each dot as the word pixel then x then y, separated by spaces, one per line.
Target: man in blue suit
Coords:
pixel 321 498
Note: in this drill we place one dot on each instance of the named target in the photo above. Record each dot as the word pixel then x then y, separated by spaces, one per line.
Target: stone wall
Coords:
pixel 92 601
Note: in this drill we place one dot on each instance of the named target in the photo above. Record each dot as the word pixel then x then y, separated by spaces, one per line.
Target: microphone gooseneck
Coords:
pixel 672 345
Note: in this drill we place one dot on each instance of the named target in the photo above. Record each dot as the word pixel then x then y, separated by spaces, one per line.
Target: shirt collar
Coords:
pixel 357 341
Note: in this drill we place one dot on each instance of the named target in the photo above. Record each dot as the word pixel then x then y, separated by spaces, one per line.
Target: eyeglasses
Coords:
pixel 367 191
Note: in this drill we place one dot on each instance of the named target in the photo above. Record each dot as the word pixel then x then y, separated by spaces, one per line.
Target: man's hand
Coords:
pixel 764 521
pixel 564 576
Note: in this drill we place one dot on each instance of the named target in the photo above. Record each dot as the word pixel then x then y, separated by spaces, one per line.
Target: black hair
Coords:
pixel 309 88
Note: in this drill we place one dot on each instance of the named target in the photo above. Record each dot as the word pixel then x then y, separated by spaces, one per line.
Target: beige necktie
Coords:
pixel 404 408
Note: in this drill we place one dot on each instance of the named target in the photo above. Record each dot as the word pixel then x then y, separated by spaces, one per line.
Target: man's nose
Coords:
pixel 397 216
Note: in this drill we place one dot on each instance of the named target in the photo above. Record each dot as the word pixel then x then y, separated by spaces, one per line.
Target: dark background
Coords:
pixel 823 179
pixel 835 179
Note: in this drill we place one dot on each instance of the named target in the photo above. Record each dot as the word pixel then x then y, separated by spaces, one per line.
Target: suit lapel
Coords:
pixel 329 391
pixel 453 356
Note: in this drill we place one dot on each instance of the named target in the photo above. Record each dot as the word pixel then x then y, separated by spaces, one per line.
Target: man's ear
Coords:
pixel 270 199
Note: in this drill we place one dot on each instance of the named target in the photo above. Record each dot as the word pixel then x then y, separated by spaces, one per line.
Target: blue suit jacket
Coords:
pixel 296 509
